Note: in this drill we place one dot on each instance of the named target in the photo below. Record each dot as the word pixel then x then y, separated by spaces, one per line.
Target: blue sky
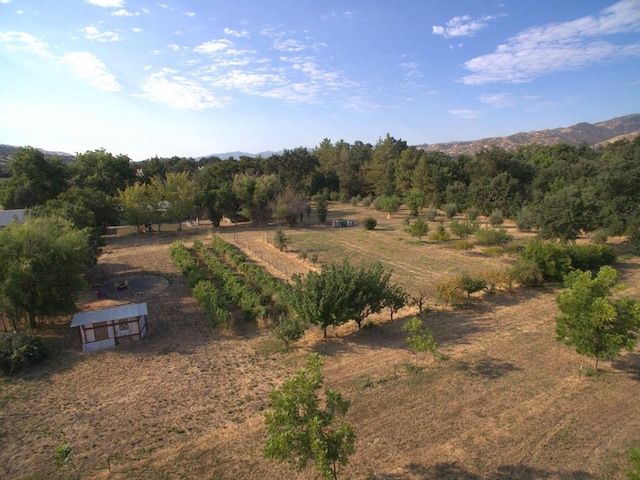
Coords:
pixel 191 78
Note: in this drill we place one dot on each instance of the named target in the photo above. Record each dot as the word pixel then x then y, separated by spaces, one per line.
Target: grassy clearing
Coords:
pixel 504 401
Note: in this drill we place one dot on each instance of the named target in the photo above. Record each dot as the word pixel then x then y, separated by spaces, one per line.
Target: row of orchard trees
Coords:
pixel 560 190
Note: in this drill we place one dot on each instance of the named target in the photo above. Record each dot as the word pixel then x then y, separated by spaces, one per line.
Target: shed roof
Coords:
pixel 115 313
pixel 8 216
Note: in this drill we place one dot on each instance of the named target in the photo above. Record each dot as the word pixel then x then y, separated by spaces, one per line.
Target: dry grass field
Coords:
pixel 505 402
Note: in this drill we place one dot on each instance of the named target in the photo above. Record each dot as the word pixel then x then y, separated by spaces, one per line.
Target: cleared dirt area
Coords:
pixel 506 401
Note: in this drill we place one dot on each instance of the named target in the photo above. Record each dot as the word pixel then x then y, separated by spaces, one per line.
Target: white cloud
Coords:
pixel 236 33
pixel 92 33
pixel 463 113
pixel 124 13
pixel 288 45
pixel 559 46
pixel 190 14
pixel 24 42
pixel 498 100
pixel 107 3
pixel 463 26
pixel 86 66
pixel 214 46
pixel 5 1
pixel 176 91
pixel 136 30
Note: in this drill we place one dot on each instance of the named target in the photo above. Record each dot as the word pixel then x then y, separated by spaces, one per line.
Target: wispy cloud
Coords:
pixel 92 33
pixel 236 33
pixel 463 26
pixel 467 114
pixel 214 46
pixel 124 13
pixel 107 3
pixel 24 42
pixel 190 14
pixel 177 91
pixel 559 46
pixel 86 66
pixel 498 100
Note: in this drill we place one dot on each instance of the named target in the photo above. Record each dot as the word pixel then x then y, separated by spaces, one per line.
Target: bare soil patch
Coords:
pixel 507 400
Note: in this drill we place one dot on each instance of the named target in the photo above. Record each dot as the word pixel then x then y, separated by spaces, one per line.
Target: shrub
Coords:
pixel 496 217
pixel 356 200
pixel 472 214
pixel 599 237
pixel 463 229
pixel 472 284
pixel 431 215
pixel 526 219
pixel 462 245
pixel 450 210
pixel 527 273
pixel 369 223
pixel 439 234
pixel 556 260
pixel 280 239
pixel 367 201
pixel 288 330
pixel 493 236
pixel 19 350
pixel 497 278
pixel 450 291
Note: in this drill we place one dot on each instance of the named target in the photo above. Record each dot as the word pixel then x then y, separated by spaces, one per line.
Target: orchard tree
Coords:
pixel 418 228
pixel 177 193
pixel 138 204
pixel 300 429
pixel 419 338
pixel 591 321
pixel 41 265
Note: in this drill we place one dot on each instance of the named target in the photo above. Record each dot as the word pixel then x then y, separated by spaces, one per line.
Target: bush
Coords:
pixel 369 223
pixel 472 214
pixel 463 229
pixel 496 217
pixel 439 234
pixel 450 291
pixel 472 284
pixel 493 236
pixel 599 237
pixel 19 350
pixel 367 201
pixel 526 273
pixel 526 219
pixel 450 210
pixel 356 200
pixel 431 215
pixel 556 260
pixel 462 245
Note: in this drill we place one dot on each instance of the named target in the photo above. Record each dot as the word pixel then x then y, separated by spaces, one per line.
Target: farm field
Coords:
pixel 188 401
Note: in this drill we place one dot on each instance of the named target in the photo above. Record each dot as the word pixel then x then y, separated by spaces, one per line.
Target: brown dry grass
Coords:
pixel 188 401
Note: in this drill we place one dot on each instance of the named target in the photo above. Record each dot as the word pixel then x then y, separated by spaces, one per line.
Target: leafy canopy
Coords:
pixel 594 323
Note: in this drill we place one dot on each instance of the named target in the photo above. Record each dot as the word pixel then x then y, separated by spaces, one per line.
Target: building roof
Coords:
pixel 8 216
pixel 107 314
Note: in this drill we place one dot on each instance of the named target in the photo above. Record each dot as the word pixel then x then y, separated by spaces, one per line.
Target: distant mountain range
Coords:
pixel 591 134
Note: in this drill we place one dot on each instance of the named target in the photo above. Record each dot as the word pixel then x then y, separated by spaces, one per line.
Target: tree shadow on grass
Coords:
pixel 453 471
pixel 629 363
pixel 489 368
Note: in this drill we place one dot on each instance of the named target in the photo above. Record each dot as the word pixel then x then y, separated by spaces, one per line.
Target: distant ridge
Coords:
pixel 238 155
pixel 595 134
pixel 627 126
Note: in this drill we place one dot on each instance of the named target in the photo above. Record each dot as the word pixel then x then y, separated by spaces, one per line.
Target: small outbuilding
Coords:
pixel 111 326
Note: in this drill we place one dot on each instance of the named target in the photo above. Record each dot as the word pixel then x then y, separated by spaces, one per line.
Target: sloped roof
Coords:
pixel 107 314
pixel 8 216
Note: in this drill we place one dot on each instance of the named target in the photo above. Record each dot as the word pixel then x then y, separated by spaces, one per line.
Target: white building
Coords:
pixel 111 326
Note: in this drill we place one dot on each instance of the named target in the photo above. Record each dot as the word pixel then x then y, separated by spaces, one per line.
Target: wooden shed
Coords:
pixel 111 326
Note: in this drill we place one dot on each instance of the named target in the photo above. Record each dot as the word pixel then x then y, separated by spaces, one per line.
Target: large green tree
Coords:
pixel 35 178
pixel 341 292
pixel 596 324
pixel 41 265
pixel 176 193
pixel 300 429
pixel 104 171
